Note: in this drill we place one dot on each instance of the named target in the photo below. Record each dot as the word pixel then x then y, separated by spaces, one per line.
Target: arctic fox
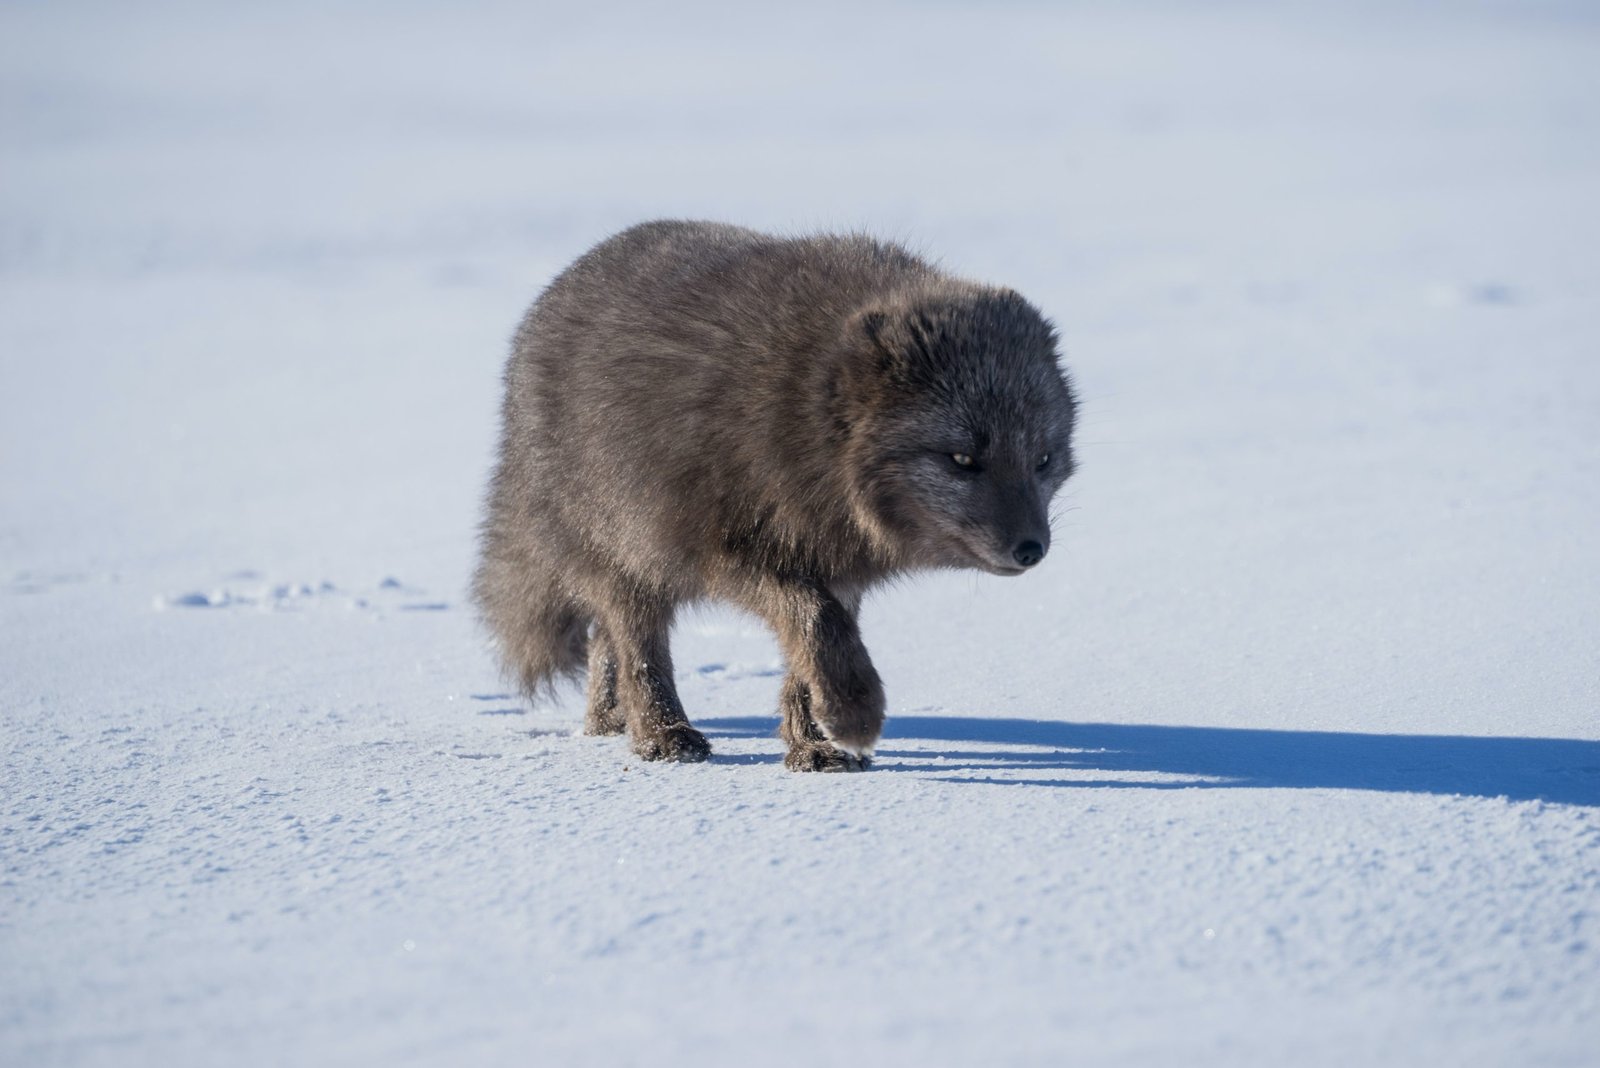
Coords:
pixel 699 411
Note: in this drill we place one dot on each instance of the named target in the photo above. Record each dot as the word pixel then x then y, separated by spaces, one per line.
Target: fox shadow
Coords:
pixel 1561 770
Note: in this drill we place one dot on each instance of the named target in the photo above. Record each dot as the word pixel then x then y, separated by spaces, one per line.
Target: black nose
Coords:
pixel 1028 553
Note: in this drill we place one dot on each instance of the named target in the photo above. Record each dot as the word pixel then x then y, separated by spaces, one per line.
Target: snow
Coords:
pixel 1288 754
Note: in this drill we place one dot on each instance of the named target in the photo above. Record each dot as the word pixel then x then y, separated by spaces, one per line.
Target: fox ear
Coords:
pixel 873 323
pixel 879 329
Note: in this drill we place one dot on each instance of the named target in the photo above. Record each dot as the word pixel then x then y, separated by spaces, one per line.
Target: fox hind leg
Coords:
pixel 657 726
pixel 604 714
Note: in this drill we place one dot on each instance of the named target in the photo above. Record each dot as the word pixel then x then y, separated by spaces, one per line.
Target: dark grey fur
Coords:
pixel 696 411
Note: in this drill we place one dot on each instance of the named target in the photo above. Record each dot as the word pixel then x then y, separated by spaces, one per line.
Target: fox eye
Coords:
pixel 1044 462
pixel 961 459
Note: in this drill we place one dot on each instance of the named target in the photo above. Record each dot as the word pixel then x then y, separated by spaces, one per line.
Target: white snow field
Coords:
pixel 1289 754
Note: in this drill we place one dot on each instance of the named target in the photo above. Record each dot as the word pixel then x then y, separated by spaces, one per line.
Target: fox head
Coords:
pixel 959 429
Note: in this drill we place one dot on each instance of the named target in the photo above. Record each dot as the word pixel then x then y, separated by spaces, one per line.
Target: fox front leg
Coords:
pixel 832 701
pixel 809 749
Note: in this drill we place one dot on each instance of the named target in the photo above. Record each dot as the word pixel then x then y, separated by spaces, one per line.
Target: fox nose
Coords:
pixel 1028 553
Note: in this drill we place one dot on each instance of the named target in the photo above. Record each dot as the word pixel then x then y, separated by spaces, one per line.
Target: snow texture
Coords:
pixel 1289 754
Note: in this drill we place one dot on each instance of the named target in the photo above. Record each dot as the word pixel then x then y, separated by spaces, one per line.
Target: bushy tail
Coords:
pixel 541 634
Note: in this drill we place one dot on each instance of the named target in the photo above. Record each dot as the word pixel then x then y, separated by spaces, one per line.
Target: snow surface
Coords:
pixel 1289 754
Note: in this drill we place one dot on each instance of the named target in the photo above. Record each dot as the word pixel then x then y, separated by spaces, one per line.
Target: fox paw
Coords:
pixel 679 742
pixel 602 723
pixel 820 756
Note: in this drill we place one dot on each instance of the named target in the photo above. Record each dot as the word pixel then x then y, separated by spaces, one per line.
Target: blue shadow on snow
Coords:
pixel 1562 770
